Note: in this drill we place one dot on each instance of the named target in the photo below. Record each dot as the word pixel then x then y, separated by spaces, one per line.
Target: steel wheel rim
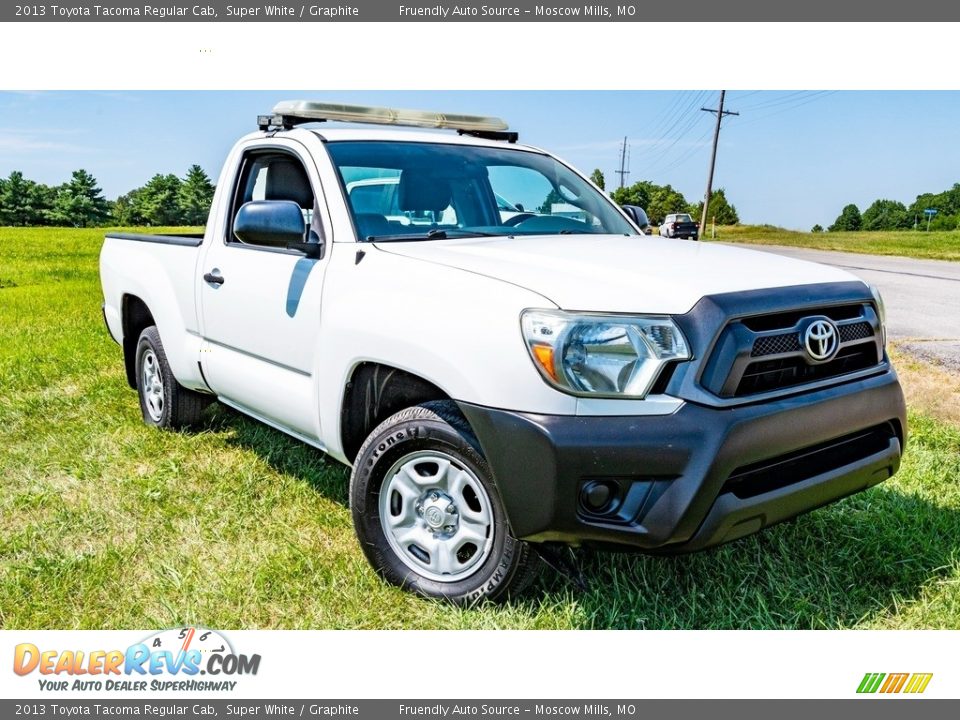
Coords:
pixel 152 383
pixel 436 516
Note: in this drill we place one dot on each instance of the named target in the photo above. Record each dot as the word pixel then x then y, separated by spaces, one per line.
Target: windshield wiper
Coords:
pixel 435 234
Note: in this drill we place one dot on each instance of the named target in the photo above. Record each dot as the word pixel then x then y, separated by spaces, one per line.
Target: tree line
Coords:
pixel 662 200
pixel 79 202
pixel 894 215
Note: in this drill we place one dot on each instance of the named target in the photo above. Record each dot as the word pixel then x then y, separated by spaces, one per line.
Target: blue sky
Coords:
pixel 791 158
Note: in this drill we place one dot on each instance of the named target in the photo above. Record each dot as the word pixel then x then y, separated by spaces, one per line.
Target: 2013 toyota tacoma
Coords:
pixel 500 381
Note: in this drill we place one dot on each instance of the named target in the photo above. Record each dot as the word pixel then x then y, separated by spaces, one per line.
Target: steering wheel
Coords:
pixel 517 219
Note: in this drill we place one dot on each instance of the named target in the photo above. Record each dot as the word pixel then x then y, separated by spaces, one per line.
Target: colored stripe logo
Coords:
pixel 912 683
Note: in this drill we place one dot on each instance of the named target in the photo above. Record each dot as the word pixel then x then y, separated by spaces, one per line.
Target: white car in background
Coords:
pixel 680 225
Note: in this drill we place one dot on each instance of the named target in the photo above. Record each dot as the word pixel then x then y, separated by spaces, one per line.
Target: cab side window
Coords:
pixel 276 176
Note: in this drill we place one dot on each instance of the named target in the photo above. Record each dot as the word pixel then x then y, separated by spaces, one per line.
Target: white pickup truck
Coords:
pixel 501 382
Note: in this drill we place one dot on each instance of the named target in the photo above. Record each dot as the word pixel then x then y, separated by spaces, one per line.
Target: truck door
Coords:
pixel 260 304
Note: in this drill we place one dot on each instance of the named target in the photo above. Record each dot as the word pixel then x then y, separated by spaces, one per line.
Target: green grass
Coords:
pixel 105 523
pixel 937 245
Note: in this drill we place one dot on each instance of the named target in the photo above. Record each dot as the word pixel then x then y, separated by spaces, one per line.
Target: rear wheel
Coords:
pixel 164 402
pixel 427 513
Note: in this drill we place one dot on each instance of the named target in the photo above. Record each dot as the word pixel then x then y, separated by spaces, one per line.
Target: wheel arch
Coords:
pixel 374 391
pixel 135 317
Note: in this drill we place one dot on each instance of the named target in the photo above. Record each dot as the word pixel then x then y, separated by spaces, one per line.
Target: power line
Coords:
pixel 796 103
pixel 679 116
pixel 720 113
pixel 682 158
pixel 748 94
pixel 779 100
pixel 660 152
pixel 664 152
pixel 687 116
pixel 669 115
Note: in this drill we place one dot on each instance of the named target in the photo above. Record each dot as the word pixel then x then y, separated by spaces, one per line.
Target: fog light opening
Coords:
pixel 600 497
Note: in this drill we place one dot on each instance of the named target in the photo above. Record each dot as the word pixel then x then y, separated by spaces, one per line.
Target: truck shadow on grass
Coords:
pixel 283 453
pixel 859 561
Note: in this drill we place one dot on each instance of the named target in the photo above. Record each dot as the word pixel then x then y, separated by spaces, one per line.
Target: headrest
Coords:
pixel 287 180
pixel 372 224
pixel 422 191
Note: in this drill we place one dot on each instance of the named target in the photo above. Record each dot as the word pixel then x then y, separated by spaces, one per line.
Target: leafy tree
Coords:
pixel 598 179
pixel 942 222
pixel 637 194
pixel 886 215
pixel 124 210
pixel 720 211
pixel 22 201
pixel 196 195
pixel 818 228
pixel 848 220
pixel 946 203
pixel 664 200
pixel 157 202
pixel 79 202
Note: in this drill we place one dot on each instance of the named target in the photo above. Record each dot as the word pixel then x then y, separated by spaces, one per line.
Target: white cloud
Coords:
pixel 20 142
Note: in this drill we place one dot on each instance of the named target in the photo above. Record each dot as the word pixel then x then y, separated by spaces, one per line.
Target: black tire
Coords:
pixel 178 407
pixel 510 566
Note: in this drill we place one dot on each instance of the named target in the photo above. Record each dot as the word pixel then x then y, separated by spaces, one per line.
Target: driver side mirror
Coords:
pixel 639 217
pixel 274 223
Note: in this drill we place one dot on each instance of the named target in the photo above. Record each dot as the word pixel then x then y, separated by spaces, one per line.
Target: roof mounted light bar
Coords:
pixel 289 113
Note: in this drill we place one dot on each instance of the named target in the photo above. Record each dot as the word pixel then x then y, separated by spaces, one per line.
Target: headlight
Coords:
pixel 881 311
pixel 605 355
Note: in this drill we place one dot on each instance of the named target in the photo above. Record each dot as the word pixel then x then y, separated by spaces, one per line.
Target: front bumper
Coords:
pixel 699 477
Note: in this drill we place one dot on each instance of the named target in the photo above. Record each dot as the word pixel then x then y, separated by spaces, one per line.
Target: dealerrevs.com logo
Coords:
pixel 181 659
pixel 892 683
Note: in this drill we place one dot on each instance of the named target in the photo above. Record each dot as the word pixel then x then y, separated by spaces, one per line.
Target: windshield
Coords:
pixel 410 190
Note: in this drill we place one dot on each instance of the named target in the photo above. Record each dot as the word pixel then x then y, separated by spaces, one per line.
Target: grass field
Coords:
pixel 105 523
pixel 939 245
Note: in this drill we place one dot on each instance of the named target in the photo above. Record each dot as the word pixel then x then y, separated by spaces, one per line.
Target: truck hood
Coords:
pixel 617 273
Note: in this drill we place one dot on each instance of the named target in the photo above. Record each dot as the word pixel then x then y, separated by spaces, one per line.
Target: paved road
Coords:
pixel 922 297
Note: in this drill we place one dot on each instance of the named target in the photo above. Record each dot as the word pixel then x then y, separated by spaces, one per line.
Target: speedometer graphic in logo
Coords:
pixel 184 639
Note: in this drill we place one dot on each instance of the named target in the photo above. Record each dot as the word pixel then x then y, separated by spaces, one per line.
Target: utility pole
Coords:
pixel 720 112
pixel 623 171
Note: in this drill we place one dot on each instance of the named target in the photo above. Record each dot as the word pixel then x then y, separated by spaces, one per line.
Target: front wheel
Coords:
pixel 428 514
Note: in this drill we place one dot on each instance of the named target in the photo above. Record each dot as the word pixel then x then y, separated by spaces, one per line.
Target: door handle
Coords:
pixel 213 279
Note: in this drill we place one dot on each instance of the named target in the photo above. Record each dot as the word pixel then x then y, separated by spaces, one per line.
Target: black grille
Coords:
pixel 766 375
pixel 856 331
pixel 760 354
pixel 757 478
pixel 776 344
pixel 790 342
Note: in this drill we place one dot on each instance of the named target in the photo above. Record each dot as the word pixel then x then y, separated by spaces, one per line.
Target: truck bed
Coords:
pixel 186 239
pixel 159 272
pixel 685 229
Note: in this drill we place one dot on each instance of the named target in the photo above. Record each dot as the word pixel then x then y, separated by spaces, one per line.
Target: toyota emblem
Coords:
pixel 821 340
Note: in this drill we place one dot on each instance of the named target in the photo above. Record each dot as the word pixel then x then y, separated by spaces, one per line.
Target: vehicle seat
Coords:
pixel 287 180
pixel 423 191
pixel 372 224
